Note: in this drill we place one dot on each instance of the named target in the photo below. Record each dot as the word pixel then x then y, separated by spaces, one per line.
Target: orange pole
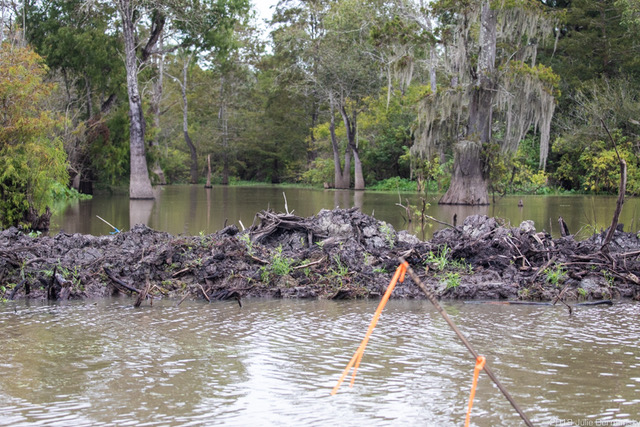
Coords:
pixel 357 357
pixel 480 361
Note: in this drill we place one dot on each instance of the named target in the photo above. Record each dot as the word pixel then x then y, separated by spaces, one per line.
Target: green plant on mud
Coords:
pixel 582 292
pixel 3 290
pixel 279 265
pixel 452 280
pixel 246 239
pixel 441 261
pixel 339 273
pixel 204 239
pixel 388 234
pixel 341 270
pixel 555 276
pixel 608 277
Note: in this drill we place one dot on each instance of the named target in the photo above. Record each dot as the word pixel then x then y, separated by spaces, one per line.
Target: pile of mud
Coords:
pixel 337 254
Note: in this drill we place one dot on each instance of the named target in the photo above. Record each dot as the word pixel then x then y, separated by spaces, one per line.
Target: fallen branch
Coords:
pixel 443 223
pixel 120 282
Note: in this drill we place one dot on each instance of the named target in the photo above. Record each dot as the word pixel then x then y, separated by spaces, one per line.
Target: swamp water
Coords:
pixel 183 209
pixel 274 363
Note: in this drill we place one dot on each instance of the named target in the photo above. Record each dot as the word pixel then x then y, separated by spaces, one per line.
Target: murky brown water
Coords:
pixel 274 362
pixel 194 209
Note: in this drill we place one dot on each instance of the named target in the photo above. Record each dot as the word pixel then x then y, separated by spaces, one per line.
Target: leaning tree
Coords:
pixel 491 90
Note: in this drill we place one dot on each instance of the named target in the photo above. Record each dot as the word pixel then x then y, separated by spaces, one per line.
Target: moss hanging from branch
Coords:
pixel 526 92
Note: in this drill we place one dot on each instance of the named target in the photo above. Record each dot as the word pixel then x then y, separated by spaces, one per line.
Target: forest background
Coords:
pixel 397 95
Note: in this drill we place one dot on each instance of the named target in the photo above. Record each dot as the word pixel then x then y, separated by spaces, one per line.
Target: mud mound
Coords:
pixel 340 253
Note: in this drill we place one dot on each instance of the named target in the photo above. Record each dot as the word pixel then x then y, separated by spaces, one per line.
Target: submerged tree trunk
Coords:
pixel 139 182
pixel 469 185
pixel 341 175
pixel 351 124
pixel 357 169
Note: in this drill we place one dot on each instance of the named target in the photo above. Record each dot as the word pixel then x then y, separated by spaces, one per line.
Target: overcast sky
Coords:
pixel 262 6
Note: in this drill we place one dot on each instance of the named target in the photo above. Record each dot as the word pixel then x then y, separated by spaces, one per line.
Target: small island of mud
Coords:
pixel 336 254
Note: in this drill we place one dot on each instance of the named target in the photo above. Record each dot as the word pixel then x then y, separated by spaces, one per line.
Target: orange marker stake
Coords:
pixel 480 361
pixel 357 357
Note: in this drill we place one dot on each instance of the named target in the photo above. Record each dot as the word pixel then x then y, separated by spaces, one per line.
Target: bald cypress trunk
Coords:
pixel 139 182
pixel 469 186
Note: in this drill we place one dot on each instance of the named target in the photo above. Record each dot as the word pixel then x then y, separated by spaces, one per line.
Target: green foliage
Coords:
pixel 432 176
pixel 109 148
pixel 595 167
pixel 516 173
pixel 279 265
pixel 320 172
pixel 31 159
pixel 439 261
pixel 452 280
pixel 394 184
pixel 442 261
pixel 555 276
pixel 246 239
pixel 339 272
pixel 386 126
pixel 174 165
pixel 602 167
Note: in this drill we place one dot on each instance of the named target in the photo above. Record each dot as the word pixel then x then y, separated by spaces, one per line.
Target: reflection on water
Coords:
pixel 274 362
pixel 194 209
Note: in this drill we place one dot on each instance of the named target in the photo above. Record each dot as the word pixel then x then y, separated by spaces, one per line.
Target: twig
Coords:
pixel 443 223
pixel 286 207
pixel 621 191
pixel 204 293
pixel 183 298
pixel 309 264
pixel 179 272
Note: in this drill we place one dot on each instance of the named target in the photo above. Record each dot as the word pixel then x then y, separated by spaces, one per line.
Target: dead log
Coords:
pixel 119 282
pixel 142 295
pixel 564 228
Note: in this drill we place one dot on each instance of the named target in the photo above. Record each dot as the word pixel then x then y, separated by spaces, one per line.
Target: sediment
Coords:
pixel 336 254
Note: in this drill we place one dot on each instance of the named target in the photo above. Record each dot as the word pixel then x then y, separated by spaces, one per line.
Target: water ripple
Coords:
pixel 274 362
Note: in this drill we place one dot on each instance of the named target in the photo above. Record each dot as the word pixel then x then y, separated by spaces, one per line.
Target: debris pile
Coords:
pixel 336 254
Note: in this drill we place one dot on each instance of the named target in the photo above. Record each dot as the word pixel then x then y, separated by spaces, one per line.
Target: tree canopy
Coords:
pixel 469 97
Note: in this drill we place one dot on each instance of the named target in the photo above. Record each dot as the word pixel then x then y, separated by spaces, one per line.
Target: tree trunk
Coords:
pixel 139 182
pixel 224 129
pixel 341 179
pixel 351 125
pixel 2 23
pixel 156 99
pixel 468 183
pixel 357 166
pixel 185 124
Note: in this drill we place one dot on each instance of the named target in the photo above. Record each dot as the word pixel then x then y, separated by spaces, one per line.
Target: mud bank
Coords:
pixel 338 254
